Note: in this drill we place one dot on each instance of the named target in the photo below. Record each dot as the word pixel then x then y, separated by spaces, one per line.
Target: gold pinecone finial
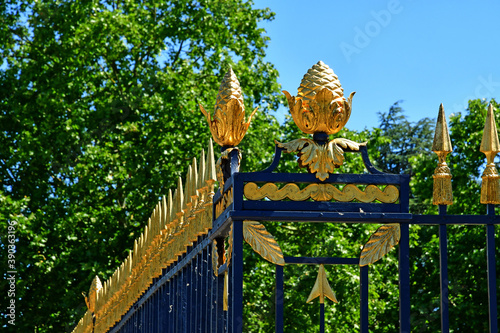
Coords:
pixel 228 125
pixel 442 191
pixel 320 105
pixel 490 146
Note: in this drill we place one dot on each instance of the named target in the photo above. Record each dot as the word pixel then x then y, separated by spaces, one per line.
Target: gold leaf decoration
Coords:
pixel 321 192
pixel 322 288
pixel 229 249
pixel 215 258
pixel 320 159
pixel 262 242
pixel 380 243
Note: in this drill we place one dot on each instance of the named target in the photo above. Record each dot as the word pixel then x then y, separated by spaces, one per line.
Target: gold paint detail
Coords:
pixel 442 191
pixel 320 159
pixel 225 304
pixel 225 201
pixel 380 243
pixel 490 146
pixel 228 125
pixel 215 258
pixel 229 249
pixel 320 105
pixel 322 288
pixel 262 242
pixel 321 192
pixel 175 223
pixel 91 299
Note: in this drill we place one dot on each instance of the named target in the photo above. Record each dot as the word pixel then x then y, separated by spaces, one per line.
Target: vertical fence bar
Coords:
pixel 230 313
pixel 237 285
pixel 279 300
pixel 204 296
pixel 189 294
pixel 322 318
pixel 364 299
pixel 491 266
pixel 404 279
pixel 443 273
pixel 219 304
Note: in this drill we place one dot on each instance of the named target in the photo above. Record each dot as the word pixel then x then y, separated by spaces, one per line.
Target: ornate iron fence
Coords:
pixel 185 273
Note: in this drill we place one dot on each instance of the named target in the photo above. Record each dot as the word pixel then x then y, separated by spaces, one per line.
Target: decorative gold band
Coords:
pixel 321 192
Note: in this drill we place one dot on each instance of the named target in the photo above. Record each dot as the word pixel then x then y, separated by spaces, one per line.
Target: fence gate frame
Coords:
pixel 185 273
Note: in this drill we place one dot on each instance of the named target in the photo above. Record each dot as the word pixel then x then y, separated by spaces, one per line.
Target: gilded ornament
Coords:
pixel 321 192
pixel 228 125
pixel 229 250
pixel 380 243
pixel 215 258
pixel 225 299
pixel 322 288
pixel 442 190
pixel 262 242
pixel 91 299
pixel 226 200
pixel 490 146
pixel 320 105
pixel 318 158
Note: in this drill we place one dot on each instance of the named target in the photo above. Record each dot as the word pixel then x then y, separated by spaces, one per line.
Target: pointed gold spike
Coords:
pixel 442 142
pixel 188 187
pixel 164 211
pixel 194 184
pixel 201 170
pixel 322 288
pixel 211 174
pixel 442 192
pixel 490 143
pixel 170 210
pixel 490 187
pixel 159 217
pixel 174 206
pixel 180 196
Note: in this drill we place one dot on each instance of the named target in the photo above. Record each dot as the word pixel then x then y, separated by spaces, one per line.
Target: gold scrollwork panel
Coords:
pixel 321 192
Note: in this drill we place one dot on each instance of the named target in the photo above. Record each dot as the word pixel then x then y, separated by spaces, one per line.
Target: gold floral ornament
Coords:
pixel 228 125
pixel 320 108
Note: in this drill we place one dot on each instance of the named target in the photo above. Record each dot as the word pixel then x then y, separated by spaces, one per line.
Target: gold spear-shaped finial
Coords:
pixel 442 193
pixel 490 188
pixel 322 288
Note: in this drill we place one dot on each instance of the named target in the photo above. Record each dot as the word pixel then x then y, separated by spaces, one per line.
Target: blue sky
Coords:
pixel 422 52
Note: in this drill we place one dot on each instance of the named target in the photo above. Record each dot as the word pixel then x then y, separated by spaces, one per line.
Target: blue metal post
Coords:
pixel 364 299
pixel 279 300
pixel 443 269
pixel 322 318
pixel 404 279
pixel 237 285
pixel 492 281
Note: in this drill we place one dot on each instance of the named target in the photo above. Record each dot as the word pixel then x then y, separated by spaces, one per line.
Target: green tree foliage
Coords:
pixel 98 118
